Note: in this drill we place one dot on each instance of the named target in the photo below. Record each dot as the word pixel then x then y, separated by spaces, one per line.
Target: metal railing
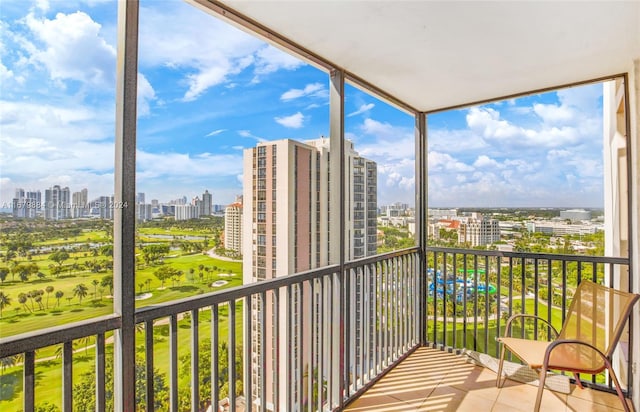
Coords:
pixel 471 293
pixel 318 339
pixel 309 341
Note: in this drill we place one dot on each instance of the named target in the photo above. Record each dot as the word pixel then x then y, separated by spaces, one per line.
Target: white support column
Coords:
pixel 336 230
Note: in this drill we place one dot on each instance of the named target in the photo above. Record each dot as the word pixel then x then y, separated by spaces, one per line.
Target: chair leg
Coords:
pixel 578 381
pixel 543 377
pixel 499 378
pixel 614 378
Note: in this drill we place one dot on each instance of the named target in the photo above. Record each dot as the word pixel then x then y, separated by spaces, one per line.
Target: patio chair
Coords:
pixel 590 333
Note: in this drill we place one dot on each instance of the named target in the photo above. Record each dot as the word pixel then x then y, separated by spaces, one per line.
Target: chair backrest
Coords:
pixel 597 315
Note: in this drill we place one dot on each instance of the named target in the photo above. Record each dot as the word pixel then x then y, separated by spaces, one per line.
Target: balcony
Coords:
pixel 339 335
pixel 433 380
pixel 339 331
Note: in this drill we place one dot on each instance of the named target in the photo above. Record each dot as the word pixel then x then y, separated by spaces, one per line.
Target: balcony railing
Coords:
pixel 316 340
pixel 471 293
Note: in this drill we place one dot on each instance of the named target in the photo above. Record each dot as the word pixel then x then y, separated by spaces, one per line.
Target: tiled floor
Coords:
pixel 432 380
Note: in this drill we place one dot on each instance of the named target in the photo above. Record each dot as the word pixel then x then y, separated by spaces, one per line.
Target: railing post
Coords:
pixel 124 211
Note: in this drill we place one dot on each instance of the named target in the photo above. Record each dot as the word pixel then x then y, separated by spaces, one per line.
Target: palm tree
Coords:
pixel 95 283
pixel 5 301
pixel 59 295
pixel 80 291
pixel 22 299
pixel 48 289
pixel 3 274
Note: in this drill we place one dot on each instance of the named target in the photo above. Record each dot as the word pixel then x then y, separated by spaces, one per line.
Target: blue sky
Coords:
pixel 208 90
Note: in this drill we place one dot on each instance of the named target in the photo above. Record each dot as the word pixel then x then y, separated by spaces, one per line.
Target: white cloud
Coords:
pixel 313 89
pixel 145 95
pixel 270 59
pixel 484 161
pixel 5 74
pixel 71 47
pixel 362 109
pixel 171 37
pixel 295 121
pixel 154 165
pixel 445 162
pixel 553 113
pixel 215 132
pixel 248 134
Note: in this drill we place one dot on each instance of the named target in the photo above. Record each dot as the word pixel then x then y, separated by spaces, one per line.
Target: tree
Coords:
pixel 5 301
pixel 84 392
pixel 48 289
pixel 166 272
pixel 107 282
pixel 59 256
pixel 22 299
pixel 153 253
pixel 80 291
pixel 204 374
pixel 106 250
pixel 59 295
pixel 141 285
pixel 46 407
pixel 95 283
pixel 3 274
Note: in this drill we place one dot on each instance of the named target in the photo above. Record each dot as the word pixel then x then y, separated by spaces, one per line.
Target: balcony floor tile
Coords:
pixel 432 380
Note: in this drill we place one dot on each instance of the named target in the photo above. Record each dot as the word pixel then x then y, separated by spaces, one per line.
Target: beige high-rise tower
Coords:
pixel 286 231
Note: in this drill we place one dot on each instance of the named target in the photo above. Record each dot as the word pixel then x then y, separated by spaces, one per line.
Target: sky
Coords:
pixel 207 91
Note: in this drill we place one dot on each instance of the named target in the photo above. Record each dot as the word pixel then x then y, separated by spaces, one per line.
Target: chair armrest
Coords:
pixel 559 342
pixel 507 332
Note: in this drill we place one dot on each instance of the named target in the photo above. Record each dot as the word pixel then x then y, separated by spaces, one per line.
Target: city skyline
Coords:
pixel 201 104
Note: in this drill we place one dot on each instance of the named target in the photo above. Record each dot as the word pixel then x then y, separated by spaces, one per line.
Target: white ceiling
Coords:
pixel 435 54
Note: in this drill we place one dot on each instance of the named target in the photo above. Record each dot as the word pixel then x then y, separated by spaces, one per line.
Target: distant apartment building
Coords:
pixel 561 228
pixel 233 227
pixel 479 231
pixel 144 212
pixel 104 207
pixel 140 197
pixel 396 209
pixel 443 213
pixel 57 203
pixel 575 215
pixel 286 225
pixel 206 204
pixel 80 204
pixel 186 212
pixel 26 204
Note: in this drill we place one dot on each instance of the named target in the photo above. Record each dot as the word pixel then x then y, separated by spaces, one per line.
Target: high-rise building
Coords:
pixel 57 203
pixel 144 212
pixel 26 204
pixel 79 203
pixel 206 204
pixel 233 227
pixel 105 207
pixel 186 212
pixel 286 225
pixel 140 197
